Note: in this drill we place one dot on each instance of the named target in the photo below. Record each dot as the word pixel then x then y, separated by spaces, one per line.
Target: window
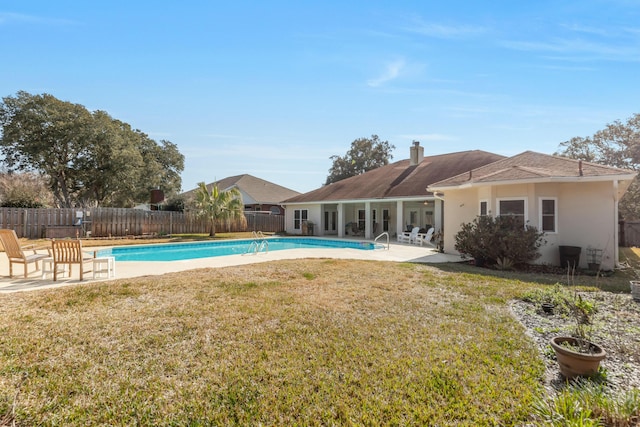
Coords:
pixel 548 215
pixel 275 210
pixel 484 208
pixel 513 207
pixel 413 218
pixel 299 215
pixel 361 219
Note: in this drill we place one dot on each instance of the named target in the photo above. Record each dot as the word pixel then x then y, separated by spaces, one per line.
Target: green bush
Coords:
pixel 502 240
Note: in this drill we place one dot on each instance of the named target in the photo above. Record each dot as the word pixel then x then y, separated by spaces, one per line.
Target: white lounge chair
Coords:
pixel 407 237
pixel 425 239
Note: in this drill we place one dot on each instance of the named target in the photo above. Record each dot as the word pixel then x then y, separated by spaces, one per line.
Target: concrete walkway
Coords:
pixel 129 269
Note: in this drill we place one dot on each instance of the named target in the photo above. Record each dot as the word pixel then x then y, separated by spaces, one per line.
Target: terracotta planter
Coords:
pixel 574 363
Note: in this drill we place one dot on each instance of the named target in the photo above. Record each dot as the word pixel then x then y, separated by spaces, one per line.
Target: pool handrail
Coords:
pixel 258 244
pixel 386 233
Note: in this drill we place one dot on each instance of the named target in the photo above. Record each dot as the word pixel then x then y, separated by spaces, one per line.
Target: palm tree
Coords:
pixel 216 205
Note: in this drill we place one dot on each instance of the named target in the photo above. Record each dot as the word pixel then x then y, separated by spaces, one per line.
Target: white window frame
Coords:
pixel 511 199
pixel 555 214
pixel 480 207
pixel 303 215
pixel 362 219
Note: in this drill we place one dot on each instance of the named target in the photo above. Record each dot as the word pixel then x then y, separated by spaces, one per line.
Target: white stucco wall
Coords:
pixel 313 215
pixel 586 215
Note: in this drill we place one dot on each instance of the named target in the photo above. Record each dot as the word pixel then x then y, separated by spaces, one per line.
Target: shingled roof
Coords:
pixel 399 179
pixel 531 166
pixel 261 191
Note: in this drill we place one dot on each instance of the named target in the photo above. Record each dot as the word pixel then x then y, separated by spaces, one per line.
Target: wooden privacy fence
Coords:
pixel 629 233
pixel 117 222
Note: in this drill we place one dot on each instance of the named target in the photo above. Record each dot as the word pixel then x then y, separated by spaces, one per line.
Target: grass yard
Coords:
pixel 314 342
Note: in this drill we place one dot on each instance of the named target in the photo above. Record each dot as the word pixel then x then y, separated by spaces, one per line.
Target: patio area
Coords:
pixel 128 269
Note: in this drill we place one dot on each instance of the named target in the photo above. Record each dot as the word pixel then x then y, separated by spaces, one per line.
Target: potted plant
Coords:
pixel 577 355
pixel 547 307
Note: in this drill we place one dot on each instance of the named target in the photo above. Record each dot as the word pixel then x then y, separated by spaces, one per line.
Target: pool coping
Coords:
pixel 245 244
pixel 130 269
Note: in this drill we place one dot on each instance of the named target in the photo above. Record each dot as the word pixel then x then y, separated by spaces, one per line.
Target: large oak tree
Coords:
pixel 88 157
pixel 364 155
pixel 618 145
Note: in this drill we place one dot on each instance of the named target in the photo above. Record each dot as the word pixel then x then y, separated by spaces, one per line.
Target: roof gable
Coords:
pixel 532 166
pixel 399 179
pixel 261 191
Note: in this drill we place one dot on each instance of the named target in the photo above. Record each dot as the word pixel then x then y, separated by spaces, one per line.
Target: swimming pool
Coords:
pixel 184 251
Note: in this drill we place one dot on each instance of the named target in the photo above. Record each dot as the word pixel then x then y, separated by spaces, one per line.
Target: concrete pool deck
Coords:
pixel 130 269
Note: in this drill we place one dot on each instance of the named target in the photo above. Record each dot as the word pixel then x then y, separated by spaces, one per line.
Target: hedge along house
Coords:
pixel 574 202
pixel 390 198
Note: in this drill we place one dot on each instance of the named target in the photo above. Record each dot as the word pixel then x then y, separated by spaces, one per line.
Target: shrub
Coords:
pixel 24 190
pixel 501 240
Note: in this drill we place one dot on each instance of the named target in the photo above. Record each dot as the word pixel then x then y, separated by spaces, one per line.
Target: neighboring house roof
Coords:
pixel 255 190
pixel 399 179
pixel 534 167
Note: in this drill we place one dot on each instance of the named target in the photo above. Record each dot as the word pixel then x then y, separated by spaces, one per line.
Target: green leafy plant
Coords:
pixel 216 204
pixel 582 311
pixel 555 295
pixel 504 264
pixel 585 403
pixel 502 241
pixel 571 304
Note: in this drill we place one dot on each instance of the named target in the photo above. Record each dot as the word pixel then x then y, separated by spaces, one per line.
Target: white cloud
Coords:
pixel 391 72
pixel 578 49
pixel 444 31
pixel 6 17
pixel 585 29
pixel 9 17
pixel 429 137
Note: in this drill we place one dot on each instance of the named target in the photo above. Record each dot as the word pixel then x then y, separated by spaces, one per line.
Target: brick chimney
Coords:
pixel 416 154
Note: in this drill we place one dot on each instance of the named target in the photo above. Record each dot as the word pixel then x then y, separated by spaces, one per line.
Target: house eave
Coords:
pixel 419 198
pixel 552 179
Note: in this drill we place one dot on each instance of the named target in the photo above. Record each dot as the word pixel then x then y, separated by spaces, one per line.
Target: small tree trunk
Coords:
pixel 212 229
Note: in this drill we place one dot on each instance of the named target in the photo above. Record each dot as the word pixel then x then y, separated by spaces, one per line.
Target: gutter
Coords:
pixel 568 179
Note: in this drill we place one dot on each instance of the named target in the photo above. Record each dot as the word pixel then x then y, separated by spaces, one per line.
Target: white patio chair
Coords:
pixel 407 237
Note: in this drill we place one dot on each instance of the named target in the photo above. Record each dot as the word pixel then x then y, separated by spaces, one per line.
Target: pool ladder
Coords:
pixel 385 234
pixel 259 244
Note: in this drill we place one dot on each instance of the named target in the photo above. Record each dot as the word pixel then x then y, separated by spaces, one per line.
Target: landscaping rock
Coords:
pixel 616 327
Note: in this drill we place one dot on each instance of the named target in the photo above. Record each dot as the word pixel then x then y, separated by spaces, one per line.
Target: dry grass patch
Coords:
pixel 315 342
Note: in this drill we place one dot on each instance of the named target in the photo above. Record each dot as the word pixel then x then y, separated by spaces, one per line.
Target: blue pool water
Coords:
pixel 182 251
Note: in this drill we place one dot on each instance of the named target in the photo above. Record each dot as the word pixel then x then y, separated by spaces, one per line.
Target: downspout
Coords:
pixel 616 226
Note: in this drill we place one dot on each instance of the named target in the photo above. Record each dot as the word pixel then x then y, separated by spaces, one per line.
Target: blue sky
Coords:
pixel 273 89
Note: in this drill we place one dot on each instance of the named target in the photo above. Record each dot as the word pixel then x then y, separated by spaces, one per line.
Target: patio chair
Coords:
pixel 69 252
pixel 16 253
pixel 410 237
pixel 425 238
pixel 355 231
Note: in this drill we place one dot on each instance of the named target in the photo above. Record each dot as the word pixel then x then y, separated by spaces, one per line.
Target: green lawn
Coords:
pixel 314 342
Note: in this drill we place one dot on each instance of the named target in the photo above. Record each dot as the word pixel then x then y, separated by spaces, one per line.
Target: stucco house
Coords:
pixel 390 198
pixel 574 202
pixel 257 194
